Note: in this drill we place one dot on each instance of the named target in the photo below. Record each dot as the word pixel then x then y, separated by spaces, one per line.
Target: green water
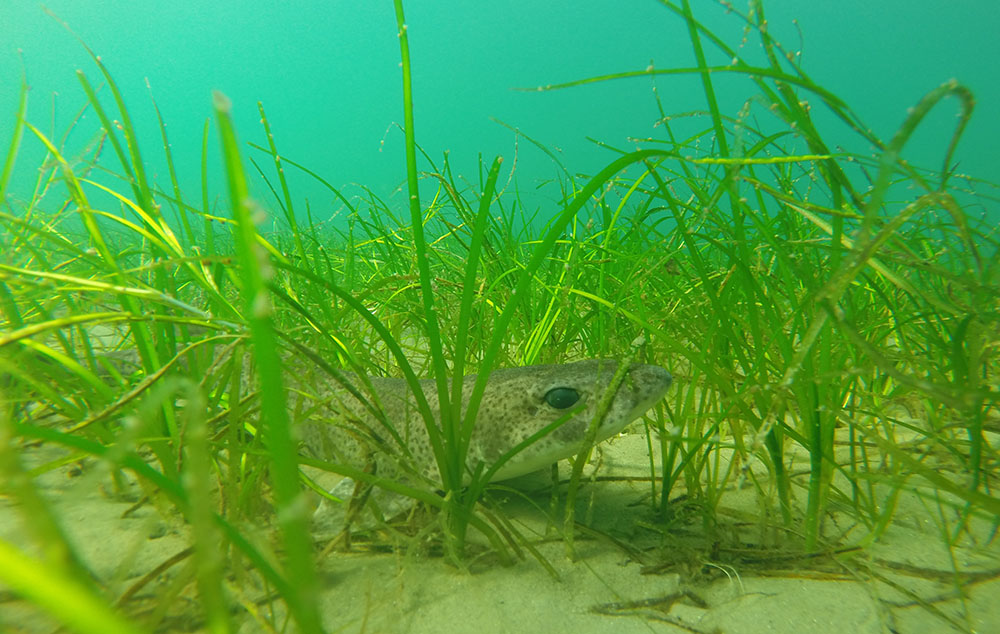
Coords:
pixel 327 74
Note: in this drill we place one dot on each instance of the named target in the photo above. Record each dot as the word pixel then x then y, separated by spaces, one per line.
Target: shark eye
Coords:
pixel 562 397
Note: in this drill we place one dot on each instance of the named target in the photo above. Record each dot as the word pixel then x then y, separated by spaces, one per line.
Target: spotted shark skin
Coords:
pixel 341 427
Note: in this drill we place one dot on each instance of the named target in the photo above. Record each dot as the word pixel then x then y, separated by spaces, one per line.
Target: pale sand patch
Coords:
pixel 603 591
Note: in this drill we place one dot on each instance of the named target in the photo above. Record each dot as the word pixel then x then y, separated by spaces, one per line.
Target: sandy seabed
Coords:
pixel 905 583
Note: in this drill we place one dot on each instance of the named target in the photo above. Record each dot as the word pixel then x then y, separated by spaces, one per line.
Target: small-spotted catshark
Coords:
pixel 517 404
pixel 374 424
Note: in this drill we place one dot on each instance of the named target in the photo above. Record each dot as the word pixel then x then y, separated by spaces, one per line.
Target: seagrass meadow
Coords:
pixel 826 458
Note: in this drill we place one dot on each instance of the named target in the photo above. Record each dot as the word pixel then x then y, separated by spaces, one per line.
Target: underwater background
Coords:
pixel 684 184
pixel 328 76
